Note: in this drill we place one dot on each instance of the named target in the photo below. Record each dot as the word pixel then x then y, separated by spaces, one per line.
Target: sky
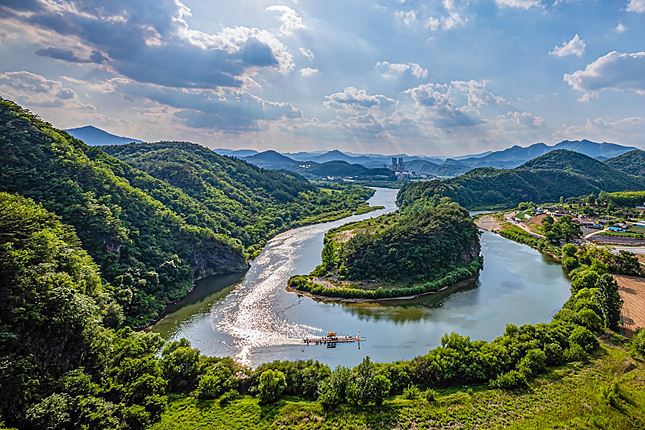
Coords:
pixel 443 77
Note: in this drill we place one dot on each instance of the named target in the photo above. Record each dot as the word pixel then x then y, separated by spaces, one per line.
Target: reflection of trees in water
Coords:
pixel 402 312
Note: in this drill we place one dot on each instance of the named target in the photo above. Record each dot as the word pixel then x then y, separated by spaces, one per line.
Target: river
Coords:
pixel 253 318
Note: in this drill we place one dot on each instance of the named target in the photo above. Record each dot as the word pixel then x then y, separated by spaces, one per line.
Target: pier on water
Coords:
pixel 332 339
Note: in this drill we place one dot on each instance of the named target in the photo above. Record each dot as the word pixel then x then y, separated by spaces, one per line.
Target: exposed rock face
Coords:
pixel 216 262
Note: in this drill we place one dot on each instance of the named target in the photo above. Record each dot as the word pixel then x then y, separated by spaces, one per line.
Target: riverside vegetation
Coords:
pixel 80 243
pixel 422 248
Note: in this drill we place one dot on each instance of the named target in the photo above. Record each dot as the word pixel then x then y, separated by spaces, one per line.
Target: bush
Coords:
pixel 509 380
pixel 554 354
pixel 533 362
pixel 331 391
pixel 366 386
pixel 588 318
pixel 411 392
pixel 575 353
pixel 569 263
pixel 569 250
pixel 638 343
pixel 272 385
pixel 583 337
pixel 228 397
pixel 430 395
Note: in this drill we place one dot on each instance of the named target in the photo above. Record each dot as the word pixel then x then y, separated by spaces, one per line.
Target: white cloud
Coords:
pixel 621 28
pixel 353 98
pixel 518 4
pixel 307 53
pixel 575 46
pixel 618 71
pixel 445 23
pixel 637 6
pixel 308 72
pixel 408 18
pixel 291 21
pixel 392 70
pixel 625 131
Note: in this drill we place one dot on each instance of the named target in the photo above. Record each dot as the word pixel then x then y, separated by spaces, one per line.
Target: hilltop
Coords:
pixel 632 162
pixel 94 136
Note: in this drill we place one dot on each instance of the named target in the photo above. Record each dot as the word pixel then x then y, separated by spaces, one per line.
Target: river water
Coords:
pixel 253 318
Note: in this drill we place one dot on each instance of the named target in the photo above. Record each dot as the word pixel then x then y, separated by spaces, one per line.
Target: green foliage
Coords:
pixel 609 300
pixel 632 162
pixel 411 392
pixel 637 344
pixel 561 230
pixel 533 362
pixel 366 386
pixel 272 385
pixel 509 380
pixel 583 337
pixel 332 390
pixel 575 352
pixel 180 365
pixel 545 179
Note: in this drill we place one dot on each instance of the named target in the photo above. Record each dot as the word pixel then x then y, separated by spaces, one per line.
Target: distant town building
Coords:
pixel 397 164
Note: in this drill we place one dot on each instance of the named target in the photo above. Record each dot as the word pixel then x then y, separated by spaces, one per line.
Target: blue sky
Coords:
pixel 422 77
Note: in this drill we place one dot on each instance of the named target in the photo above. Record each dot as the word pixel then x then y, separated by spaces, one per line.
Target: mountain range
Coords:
pixel 547 178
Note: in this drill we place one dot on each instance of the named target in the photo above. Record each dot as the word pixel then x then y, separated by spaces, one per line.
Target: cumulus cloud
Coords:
pixel 291 21
pixel 355 99
pixel 637 6
pixel 575 46
pixel 35 90
pixel 229 110
pixel 308 72
pixel 518 4
pixel 627 131
pixel 618 71
pixel 152 41
pixel 408 18
pixel 393 70
pixel 437 100
pixel 445 23
pixel 307 53
pixel 620 28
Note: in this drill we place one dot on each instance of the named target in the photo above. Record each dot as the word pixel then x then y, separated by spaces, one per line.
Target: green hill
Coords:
pixel 232 196
pixel 632 162
pixel 559 173
pixel 419 249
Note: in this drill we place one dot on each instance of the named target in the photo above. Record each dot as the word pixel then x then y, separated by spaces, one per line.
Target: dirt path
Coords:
pixel 632 291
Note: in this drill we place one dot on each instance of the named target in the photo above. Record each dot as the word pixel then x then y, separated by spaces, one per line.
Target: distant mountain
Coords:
pixel 344 169
pixel 95 136
pixel 632 162
pixel 238 153
pixel 517 155
pixel 559 173
pixel 311 169
pixel 273 160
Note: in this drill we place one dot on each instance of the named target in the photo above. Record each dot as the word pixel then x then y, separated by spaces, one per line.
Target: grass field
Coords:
pixel 606 393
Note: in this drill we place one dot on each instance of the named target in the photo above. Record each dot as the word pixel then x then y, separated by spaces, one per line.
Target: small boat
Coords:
pixel 332 339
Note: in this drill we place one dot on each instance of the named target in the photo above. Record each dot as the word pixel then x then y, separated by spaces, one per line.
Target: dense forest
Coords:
pixel 559 173
pixel 412 249
pixel 632 162
pixel 152 237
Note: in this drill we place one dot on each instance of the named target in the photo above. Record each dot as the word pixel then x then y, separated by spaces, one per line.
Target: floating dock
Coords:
pixel 332 339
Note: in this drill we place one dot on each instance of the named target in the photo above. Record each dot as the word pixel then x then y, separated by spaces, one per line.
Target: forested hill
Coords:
pixel 632 162
pixel 153 238
pixel 559 173
pixel 235 198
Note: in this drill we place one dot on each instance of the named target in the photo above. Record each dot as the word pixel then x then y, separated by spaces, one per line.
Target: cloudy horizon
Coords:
pixel 443 77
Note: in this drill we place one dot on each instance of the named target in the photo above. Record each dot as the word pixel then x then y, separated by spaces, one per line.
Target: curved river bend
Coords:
pixel 253 318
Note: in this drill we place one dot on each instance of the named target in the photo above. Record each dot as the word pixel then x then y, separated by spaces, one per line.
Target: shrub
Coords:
pixel 366 386
pixel 569 263
pixel 430 395
pixel 331 391
pixel 272 385
pixel 509 380
pixel 569 250
pixel 583 337
pixel 638 343
pixel 554 354
pixel 575 353
pixel 228 397
pixel 533 362
pixel 589 319
pixel 411 392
